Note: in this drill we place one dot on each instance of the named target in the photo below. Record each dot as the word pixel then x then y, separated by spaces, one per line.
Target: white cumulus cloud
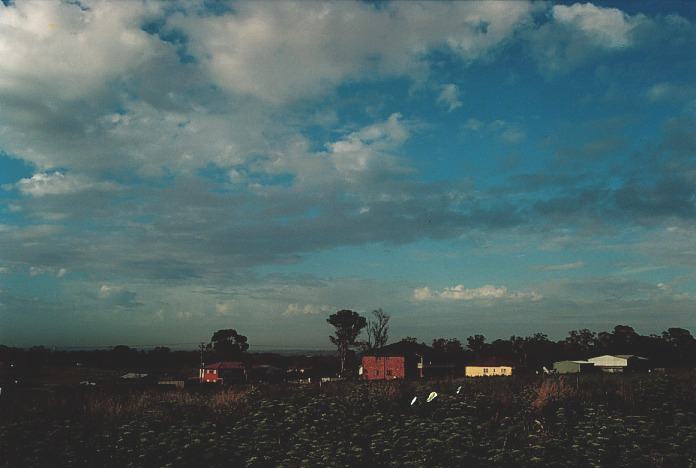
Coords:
pixel 224 309
pixel 307 309
pixel 461 293
pixel 65 50
pixel 449 97
pixel 45 270
pixel 58 183
pixel 608 27
pixel 577 33
pixel 118 296
pixel 282 51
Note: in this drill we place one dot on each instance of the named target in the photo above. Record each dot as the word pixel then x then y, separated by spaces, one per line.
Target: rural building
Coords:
pixel 133 376
pixel 383 367
pixel 176 382
pixel 573 367
pixel 402 360
pixel 488 368
pixel 619 363
pixel 223 372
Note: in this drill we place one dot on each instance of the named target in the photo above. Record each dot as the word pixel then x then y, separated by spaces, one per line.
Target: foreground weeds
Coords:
pixel 589 421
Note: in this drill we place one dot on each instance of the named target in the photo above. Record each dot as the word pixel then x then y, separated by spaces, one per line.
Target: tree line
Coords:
pixel 356 334
pixel 675 347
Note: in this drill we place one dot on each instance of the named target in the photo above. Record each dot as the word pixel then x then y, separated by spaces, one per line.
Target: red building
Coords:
pixel 219 372
pixel 383 367
pixel 401 360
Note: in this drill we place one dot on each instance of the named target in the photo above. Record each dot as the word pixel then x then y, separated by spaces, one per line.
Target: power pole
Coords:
pixel 201 369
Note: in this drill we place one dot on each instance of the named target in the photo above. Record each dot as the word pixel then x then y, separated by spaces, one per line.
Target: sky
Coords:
pixel 171 169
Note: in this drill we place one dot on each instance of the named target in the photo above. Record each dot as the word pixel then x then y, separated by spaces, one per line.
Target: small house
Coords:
pixel 573 367
pixel 488 368
pixel 619 363
pixel 223 372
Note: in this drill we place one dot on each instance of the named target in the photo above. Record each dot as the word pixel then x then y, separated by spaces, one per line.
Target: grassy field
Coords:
pixel 597 420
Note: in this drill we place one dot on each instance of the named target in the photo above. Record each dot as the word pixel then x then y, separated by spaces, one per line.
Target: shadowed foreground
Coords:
pixel 647 420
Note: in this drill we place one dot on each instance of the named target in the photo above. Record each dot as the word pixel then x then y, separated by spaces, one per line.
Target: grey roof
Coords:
pixel 133 375
pixel 629 356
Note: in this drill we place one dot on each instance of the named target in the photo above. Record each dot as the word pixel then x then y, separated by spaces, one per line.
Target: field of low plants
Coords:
pixel 598 420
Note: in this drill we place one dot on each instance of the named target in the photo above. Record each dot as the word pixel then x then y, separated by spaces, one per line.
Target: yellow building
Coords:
pixel 484 370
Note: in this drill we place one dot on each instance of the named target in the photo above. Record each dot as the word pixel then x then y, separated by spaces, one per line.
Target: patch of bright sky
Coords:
pixel 11 170
pixel 449 263
pixel 42 285
pixel 440 263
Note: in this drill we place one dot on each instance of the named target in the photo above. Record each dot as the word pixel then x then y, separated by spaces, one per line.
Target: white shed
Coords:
pixel 618 362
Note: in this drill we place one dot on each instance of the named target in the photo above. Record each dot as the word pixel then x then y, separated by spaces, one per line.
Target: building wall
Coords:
pixel 566 367
pixel 383 367
pixel 573 367
pixel 609 361
pixel 229 376
pixel 487 371
pixel 208 375
pixel 172 383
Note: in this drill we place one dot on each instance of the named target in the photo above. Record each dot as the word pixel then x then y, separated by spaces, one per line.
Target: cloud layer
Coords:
pixel 180 162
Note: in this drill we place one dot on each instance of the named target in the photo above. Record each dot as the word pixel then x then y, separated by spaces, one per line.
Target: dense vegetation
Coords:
pixel 673 348
pixel 589 420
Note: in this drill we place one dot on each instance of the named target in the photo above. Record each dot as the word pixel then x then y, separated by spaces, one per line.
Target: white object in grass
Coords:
pixel 413 402
pixel 431 397
pixel 459 389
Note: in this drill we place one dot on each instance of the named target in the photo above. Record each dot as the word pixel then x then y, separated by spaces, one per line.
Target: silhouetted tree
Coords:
pixel 476 344
pixel 449 346
pixel 539 350
pixel 122 356
pixel 624 340
pixel 377 330
pixel 37 356
pixel 501 349
pixel 160 357
pixel 348 326
pixel 681 345
pixel 227 345
pixel 581 343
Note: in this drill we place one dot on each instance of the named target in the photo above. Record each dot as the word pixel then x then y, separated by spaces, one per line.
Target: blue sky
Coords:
pixel 169 169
